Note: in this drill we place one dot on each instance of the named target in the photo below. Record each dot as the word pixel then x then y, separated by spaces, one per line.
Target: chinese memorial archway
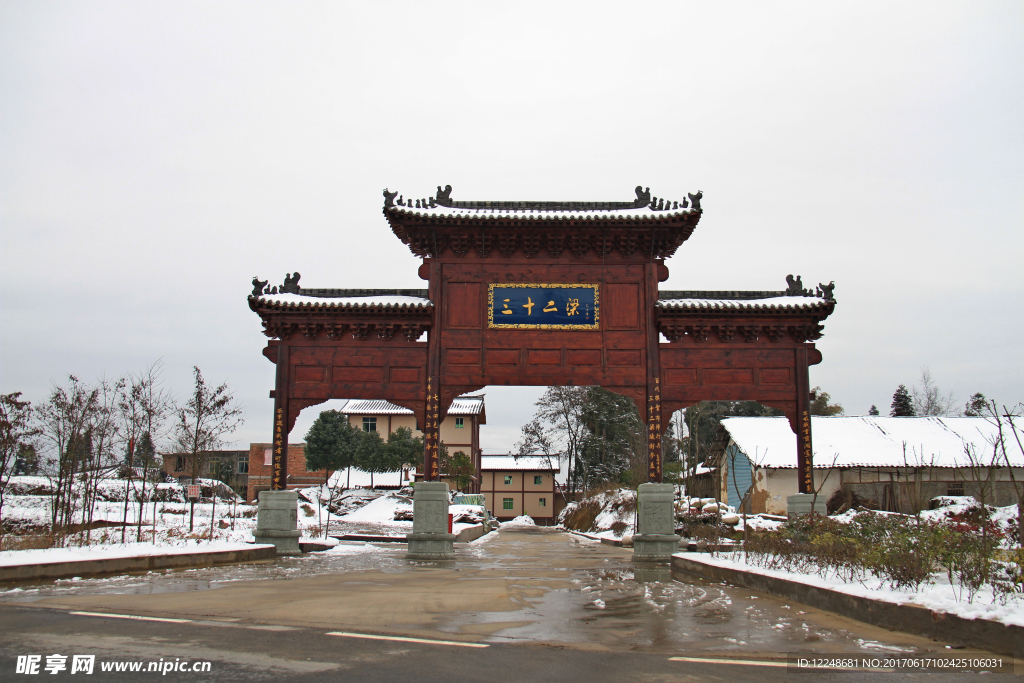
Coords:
pixel 542 293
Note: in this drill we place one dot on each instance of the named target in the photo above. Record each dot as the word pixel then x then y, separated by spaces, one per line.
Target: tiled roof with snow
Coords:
pixel 300 300
pixel 872 441
pixel 506 463
pixel 776 303
pixel 499 211
pixel 463 405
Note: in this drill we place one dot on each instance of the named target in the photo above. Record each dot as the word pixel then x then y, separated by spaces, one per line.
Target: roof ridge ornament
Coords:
pixel 796 288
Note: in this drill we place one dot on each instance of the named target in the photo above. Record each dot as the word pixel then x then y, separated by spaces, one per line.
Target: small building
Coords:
pixel 460 429
pixel 231 467
pixel 896 464
pixel 261 458
pixel 521 486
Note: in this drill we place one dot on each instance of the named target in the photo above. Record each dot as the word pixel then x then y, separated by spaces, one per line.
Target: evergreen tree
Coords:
pixel 405 449
pixel 331 443
pixel 372 455
pixel 902 403
pixel 873 410
pixel 977 406
pixel 458 467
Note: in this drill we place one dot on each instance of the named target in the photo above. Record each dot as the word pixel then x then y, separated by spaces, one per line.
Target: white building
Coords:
pixel 890 463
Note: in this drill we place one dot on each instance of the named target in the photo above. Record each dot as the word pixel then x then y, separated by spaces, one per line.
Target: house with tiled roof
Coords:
pixel 521 486
pixel 460 429
pixel 898 464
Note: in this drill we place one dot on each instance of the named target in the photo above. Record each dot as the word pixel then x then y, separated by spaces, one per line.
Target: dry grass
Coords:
pixel 583 515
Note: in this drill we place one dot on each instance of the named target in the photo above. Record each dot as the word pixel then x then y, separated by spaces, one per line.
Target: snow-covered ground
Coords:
pixel 938 596
pixel 11 558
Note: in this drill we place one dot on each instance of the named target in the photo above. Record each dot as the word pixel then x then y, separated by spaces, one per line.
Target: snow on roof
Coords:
pixel 463 405
pixel 349 301
pixel 871 441
pixel 543 214
pixel 500 463
pixel 778 302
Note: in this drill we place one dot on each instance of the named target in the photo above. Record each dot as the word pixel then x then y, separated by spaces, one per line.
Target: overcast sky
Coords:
pixel 154 157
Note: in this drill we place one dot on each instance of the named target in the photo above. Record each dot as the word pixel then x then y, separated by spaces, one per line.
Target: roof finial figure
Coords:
pixel 257 285
pixel 444 197
pixel 695 199
pixel 643 197
pixel 389 198
pixel 796 286
pixel 291 284
pixel 825 291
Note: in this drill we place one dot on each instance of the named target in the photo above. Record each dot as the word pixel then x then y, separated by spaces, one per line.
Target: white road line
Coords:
pixel 130 616
pixel 744 662
pixel 407 640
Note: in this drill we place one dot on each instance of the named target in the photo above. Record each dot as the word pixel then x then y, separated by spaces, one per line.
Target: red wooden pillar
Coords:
pixel 805 461
pixel 653 393
pixel 279 468
pixel 430 270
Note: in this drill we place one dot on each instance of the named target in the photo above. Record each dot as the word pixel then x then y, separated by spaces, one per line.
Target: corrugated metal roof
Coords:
pixel 506 463
pixel 463 405
pixel 872 441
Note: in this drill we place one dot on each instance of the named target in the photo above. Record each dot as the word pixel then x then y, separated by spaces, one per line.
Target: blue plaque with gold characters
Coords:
pixel 530 306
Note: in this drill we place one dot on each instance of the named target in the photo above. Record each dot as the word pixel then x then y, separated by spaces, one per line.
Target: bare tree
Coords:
pixel 15 430
pixel 202 423
pixel 66 425
pixel 928 399
pixel 558 424
pixel 1006 423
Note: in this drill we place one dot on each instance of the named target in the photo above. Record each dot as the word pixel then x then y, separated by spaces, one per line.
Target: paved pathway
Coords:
pixel 523 586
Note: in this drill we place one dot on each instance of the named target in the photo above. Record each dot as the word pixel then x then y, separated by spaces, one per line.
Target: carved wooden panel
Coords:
pixel 544 356
pixel 503 356
pixel 401 374
pixel 464 304
pixel 309 373
pixel 776 375
pixel 463 356
pixel 729 376
pixel 624 357
pixel 680 376
pixel 622 306
pixel 583 357
pixel 358 374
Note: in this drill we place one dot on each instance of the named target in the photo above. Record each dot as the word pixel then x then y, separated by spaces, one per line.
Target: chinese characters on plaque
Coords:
pixel 431 435
pixel 654 433
pixel 276 477
pixel 521 306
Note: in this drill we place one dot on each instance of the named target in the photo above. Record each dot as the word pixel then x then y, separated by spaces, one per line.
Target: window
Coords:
pixel 955 488
pixel 506 503
pixel 179 464
pixel 369 424
pixel 543 502
pixel 538 479
pixel 243 464
pixel 459 422
pixel 268 457
pixel 508 480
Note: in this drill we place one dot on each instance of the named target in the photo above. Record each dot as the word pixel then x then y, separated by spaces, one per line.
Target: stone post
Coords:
pixel 430 539
pixel 655 540
pixel 799 505
pixel 277 521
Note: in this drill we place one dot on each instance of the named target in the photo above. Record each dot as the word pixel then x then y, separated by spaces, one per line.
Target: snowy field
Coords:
pixel 162 525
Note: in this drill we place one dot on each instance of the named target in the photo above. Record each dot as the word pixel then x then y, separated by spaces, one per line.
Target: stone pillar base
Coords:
pixel 430 539
pixel 799 505
pixel 431 547
pixel 277 521
pixel 655 547
pixel 655 540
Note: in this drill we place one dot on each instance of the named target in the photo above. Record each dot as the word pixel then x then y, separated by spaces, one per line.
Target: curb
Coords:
pixel 983 634
pixel 140 564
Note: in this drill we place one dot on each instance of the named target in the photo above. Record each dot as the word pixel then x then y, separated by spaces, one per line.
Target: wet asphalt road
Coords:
pixel 547 605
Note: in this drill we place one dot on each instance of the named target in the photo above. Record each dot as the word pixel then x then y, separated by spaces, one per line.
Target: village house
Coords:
pixel 896 464
pixel 460 429
pixel 231 467
pixel 521 486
